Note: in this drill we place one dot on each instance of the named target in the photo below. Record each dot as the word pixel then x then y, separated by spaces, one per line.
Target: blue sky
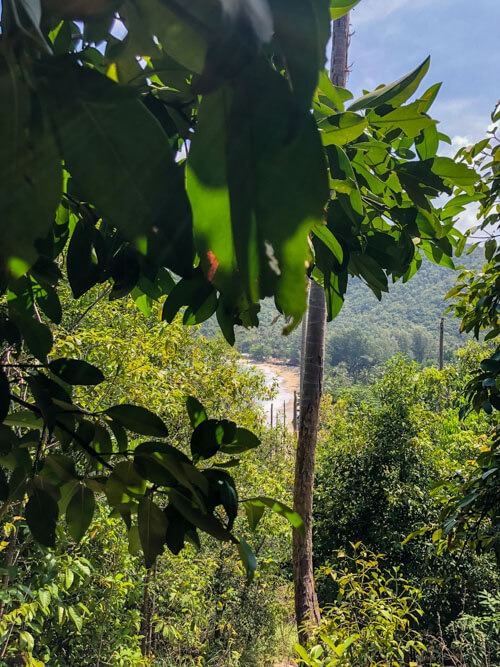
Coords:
pixel 391 37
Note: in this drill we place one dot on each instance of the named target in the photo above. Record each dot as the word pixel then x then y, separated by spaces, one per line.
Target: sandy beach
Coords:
pixel 288 382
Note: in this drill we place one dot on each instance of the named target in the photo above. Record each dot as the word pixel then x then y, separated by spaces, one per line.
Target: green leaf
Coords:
pixel 120 435
pixel 76 618
pixel 408 119
pixel 205 522
pixel 41 513
pixel 206 176
pixel 196 411
pixel 427 143
pixel 242 442
pixel 247 557
pixel 76 371
pixel 339 8
pixel 301 32
pixel 17 484
pixel 335 96
pixel 201 308
pixel 326 236
pixel 210 435
pixel 257 183
pixel 152 466
pixel 138 419
pixel 37 336
pixel 152 523
pixel 175 31
pixel 194 292
pixel 24 419
pixel 26 640
pixel 48 300
pixel 59 468
pixel 223 492
pixel 82 261
pixel 44 596
pixel 80 512
pixel 121 161
pixel 302 653
pixel 436 255
pixel 455 173
pixel 342 128
pixel 123 483
pixel 30 167
pixel 8 439
pixel 394 93
pixel 254 513
pixel 180 469
pixel 280 508
pixel 178 526
pixel 370 270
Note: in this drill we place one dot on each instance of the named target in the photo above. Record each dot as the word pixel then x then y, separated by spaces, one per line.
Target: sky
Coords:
pixel 391 37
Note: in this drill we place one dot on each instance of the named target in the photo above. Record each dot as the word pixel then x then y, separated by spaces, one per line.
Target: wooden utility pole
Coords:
pixel 441 344
pixel 311 384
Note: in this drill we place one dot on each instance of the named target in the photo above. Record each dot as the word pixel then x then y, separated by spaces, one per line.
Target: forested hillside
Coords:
pixel 367 331
pixel 165 167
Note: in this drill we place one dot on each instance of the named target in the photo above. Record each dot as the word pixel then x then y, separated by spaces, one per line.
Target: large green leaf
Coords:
pixel 138 419
pixel 210 435
pixel 278 186
pixel 82 263
pixel 247 557
pixel 409 119
pixel 206 522
pixel 395 93
pixel 153 524
pixel 196 411
pixel 196 293
pixel 76 371
pixel 37 336
pixel 80 511
pixel 301 32
pixel 254 513
pixel 342 128
pixel 174 30
pixel 30 167
pixel 41 513
pixel 454 173
pixel 257 183
pixel 278 507
pixel 121 161
pixel 242 442
pixel 178 469
pixel 208 191
pixel 339 8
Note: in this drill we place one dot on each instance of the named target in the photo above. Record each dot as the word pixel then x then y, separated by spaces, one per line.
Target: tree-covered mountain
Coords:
pixel 368 331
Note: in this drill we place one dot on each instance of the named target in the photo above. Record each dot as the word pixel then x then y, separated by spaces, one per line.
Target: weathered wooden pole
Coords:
pixel 441 344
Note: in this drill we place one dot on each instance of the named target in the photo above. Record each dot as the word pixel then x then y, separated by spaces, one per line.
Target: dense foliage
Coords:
pixel 164 157
pixel 140 165
pixel 377 481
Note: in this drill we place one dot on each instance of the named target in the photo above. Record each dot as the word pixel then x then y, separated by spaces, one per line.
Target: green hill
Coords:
pixel 368 331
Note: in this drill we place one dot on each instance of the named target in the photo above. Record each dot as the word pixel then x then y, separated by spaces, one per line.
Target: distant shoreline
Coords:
pixel 287 376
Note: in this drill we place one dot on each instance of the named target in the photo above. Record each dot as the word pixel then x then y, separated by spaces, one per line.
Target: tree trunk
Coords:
pixel 311 381
pixel 306 602
pixel 340 49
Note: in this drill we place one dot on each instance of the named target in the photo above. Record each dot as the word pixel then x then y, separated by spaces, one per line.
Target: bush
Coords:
pixel 372 621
